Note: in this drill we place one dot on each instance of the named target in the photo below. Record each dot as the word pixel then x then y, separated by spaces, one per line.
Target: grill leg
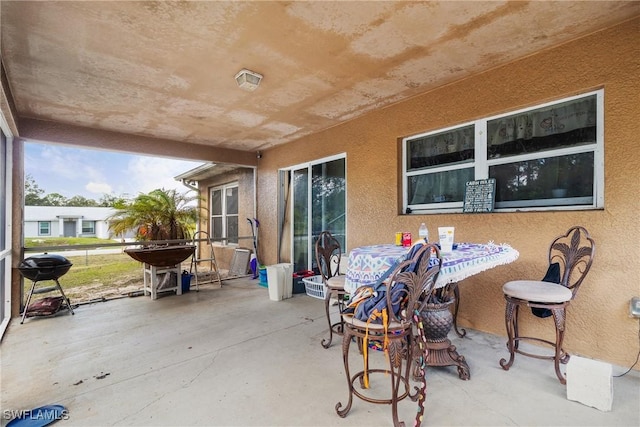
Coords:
pixel 32 291
pixel 64 296
pixel 26 305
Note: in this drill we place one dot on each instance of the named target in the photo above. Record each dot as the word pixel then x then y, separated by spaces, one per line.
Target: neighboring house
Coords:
pixel 67 221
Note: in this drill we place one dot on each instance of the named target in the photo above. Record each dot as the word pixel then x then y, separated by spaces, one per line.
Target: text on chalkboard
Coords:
pixel 479 196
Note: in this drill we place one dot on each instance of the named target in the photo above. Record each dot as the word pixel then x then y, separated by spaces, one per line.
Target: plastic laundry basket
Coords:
pixel 314 286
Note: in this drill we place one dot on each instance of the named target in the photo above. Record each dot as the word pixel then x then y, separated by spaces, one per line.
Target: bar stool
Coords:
pixel 328 257
pixel 408 288
pixel 570 257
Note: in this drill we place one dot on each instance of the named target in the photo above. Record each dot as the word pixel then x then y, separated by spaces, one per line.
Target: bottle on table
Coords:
pixel 423 232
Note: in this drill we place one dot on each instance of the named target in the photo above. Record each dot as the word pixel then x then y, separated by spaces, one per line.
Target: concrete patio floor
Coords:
pixel 231 356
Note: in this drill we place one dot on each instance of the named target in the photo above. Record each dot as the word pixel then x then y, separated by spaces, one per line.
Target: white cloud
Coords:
pixel 73 171
pixel 150 173
pixel 98 187
pixel 63 162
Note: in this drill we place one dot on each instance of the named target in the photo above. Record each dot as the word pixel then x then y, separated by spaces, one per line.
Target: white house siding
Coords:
pixel 57 215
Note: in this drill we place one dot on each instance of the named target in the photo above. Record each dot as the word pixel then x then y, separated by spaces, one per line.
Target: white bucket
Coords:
pixel 280 281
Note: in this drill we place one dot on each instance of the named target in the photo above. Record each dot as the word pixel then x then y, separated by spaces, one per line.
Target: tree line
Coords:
pixel 35 196
pixel 159 215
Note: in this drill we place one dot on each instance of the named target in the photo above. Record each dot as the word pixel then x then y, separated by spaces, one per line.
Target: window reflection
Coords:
pixel 445 148
pixel 547 178
pixel 562 125
pixel 439 187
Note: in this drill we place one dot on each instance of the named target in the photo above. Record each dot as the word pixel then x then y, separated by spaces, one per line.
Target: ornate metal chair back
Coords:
pixel 328 255
pixel 418 277
pixel 574 252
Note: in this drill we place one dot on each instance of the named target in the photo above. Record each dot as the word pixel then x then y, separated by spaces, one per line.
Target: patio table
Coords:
pixel 367 264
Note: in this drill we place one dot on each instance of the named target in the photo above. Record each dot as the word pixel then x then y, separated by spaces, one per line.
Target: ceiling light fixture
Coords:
pixel 248 80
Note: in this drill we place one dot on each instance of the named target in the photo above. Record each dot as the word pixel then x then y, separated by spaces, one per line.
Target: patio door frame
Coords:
pixel 286 204
pixel 6 182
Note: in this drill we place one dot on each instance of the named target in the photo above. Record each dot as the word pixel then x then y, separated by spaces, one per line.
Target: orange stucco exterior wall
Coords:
pixel 246 203
pixel 598 324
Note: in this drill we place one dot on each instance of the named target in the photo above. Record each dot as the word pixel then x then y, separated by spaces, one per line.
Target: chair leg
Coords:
pixel 399 362
pixel 341 306
pixel 419 354
pixel 346 343
pixel 326 343
pixel 559 316
pixel 399 357
pixel 337 327
pixel 511 323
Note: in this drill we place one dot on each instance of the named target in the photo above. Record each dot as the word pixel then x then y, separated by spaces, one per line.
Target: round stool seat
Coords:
pixel 336 282
pixel 534 290
pixel 376 327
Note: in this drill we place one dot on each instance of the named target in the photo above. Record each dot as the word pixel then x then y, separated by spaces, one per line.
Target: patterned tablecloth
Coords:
pixel 368 263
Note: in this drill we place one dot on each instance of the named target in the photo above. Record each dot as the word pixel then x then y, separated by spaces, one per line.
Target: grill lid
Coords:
pixel 44 260
pixel 44 267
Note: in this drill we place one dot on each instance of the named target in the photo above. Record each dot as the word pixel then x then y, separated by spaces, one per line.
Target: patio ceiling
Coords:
pixel 166 69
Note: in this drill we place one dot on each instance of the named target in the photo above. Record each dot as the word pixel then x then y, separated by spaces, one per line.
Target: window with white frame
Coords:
pixel 44 228
pixel 224 213
pixel 546 157
pixel 88 227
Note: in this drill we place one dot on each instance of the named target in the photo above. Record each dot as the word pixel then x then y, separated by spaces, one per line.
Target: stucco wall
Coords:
pixel 598 325
pixel 246 206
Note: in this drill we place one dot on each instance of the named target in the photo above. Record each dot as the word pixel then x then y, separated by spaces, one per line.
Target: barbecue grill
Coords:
pixel 38 268
pixel 44 267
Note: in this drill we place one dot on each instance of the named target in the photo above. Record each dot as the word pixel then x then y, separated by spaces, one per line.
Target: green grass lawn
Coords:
pixel 92 276
pixel 105 269
pixel 96 276
pixel 34 242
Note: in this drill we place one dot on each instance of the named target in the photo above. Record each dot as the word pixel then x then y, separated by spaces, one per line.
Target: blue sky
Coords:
pixel 72 171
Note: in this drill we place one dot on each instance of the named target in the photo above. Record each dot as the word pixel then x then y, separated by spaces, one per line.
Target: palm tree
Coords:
pixel 159 215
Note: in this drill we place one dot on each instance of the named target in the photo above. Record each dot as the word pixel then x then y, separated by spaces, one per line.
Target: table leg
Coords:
pixel 437 322
pixel 445 354
pixel 456 293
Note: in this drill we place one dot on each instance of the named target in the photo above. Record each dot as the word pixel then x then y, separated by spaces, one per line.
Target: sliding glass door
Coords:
pixel 301 238
pixel 318 191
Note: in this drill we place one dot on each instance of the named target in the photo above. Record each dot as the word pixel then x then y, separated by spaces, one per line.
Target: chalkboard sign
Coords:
pixel 479 196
